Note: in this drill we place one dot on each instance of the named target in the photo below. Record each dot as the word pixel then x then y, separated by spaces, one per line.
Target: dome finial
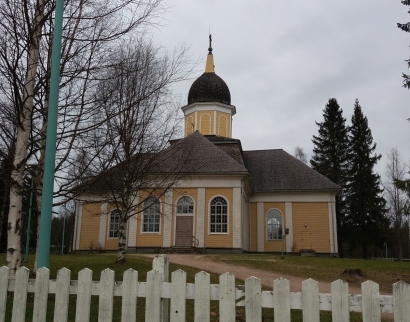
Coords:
pixel 210 68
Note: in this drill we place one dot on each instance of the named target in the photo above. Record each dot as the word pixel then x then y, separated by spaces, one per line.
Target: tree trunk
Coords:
pixel 13 260
pixel 122 240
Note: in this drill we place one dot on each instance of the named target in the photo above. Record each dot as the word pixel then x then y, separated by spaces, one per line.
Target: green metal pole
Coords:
pixel 50 157
pixel 29 219
pixel 62 242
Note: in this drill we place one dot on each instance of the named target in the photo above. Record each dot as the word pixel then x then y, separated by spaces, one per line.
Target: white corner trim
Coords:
pixel 166 238
pixel 103 225
pixel 200 222
pixel 289 224
pixel 260 230
pixel 237 218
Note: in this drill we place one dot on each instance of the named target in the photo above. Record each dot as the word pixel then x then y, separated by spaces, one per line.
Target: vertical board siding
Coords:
pixel 219 240
pixel 178 296
pixel 20 295
pixel 253 300
pixel 315 235
pixel 281 300
pixel 260 226
pixel 85 283
pixel 237 218
pixel 202 297
pixel 340 301
pixel 401 301
pixel 129 296
pixel 310 300
pixel 4 280
pixel 253 228
pixel 370 301
pixel 62 295
pixel 227 308
pixel 289 224
pixel 90 226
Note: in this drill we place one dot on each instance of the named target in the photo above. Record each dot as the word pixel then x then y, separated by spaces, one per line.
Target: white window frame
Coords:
pixel 210 216
pixel 111 229
pixel 279 233
pixel 185 213
pixel 144 214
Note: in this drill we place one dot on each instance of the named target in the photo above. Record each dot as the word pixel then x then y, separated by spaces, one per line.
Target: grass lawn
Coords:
pixel 324 268
pixel 299 266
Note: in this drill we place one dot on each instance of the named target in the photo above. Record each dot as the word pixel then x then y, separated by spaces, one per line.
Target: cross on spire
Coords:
pixel 210 44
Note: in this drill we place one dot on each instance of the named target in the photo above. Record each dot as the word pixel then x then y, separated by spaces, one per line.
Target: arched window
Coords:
pixel 219 215
pixel 274 224
pixel 185 205
pixel 114 223
pixel 152 215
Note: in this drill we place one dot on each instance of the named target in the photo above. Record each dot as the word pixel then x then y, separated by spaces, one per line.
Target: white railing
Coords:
pixel 159 292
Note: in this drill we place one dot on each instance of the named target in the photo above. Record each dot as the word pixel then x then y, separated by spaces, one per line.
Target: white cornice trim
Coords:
pixel 206 106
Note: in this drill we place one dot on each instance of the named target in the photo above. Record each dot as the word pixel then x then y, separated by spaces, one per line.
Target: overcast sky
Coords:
pixel 283 60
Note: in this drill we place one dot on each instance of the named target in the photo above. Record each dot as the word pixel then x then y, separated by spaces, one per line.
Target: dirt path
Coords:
pixel 243 272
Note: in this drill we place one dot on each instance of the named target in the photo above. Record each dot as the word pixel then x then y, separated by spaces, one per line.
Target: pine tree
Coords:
pixel 406 27
pixel 365 203
pixel 330 157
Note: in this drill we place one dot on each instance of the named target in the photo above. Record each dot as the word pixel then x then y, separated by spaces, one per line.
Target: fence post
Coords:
pixel 161 264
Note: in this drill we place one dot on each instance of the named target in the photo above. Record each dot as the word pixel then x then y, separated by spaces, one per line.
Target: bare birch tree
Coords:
pixel 90 28
pixel 397 199
pixel 138 115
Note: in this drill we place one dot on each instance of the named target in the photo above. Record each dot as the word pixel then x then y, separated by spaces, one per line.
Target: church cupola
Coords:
pixel 209 108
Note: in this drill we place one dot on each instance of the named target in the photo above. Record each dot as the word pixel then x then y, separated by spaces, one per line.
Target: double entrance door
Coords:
pixel 184 231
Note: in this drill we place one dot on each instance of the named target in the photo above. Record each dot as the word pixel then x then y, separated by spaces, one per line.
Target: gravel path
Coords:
pixel 242 272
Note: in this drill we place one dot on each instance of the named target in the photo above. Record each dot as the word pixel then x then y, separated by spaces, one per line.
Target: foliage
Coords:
pixel 300 154
pixel 405 27
pixel 365 217
pixel 330 157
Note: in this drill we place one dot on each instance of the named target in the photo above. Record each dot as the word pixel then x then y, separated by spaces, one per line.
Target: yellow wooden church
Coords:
pixel 233 200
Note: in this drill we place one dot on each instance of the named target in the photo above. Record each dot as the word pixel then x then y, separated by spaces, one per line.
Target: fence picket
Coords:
pixel 281 300
pixel 129 296
pixel 227 307
pixel 370 302
pixel 41 294
pixel 62 295
pixel 20 295
pixel 178 296
pixel 253 299
pixel 202 305
pixel 84 288
pixel 106 299
pixel 310 300
pixel 4 281
pixel 161 264
pixel 340 301
pixel 153 297
pixel 401 301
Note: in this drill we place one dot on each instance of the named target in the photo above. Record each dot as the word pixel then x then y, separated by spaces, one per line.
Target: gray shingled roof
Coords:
pixel 199 155
pixel 277 170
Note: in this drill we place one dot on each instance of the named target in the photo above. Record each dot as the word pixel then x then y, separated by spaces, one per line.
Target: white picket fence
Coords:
pixel 159 292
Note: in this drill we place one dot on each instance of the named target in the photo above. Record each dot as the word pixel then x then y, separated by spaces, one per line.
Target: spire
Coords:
pixel 210 67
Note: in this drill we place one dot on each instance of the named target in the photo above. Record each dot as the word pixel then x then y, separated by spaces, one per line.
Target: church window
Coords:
pixel 219 215
pixel 152 215
pixel 185 205
pixel 114 223
pixel 274 224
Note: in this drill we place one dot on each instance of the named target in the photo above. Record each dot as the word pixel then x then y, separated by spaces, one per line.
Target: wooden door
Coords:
pixel 184 231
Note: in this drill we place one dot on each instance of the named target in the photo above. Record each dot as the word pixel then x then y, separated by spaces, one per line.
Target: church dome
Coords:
pixel 209 87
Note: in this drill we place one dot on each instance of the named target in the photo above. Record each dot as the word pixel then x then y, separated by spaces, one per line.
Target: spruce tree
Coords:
pixel 330 157
pixel 405 27
pixel 365 204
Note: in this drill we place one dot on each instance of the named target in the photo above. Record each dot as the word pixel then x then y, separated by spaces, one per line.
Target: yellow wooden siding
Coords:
pixel 205 123
pixel 150 239
pixel 90 226
pixel 316 234
pixel 273 245
pixel 178 192
pixel 218 240
pixel 223 124
pixel 254 227
pixel 189 124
